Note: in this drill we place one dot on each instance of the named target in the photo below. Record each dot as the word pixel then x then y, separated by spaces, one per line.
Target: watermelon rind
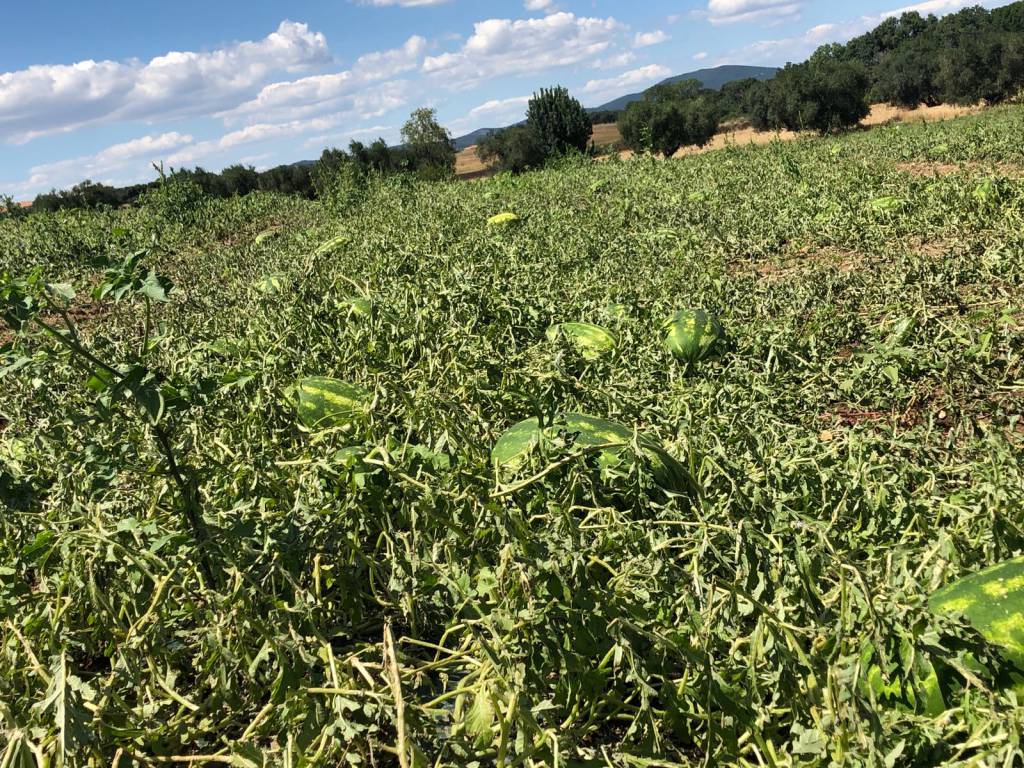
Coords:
pixel 591 340
pixel 326 403
pixel 992 600
pixel 515 446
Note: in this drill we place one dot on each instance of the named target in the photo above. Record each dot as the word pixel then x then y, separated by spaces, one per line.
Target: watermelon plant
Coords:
pixel 208 559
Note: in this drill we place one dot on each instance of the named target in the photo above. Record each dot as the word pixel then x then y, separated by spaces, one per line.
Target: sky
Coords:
pixel 102 89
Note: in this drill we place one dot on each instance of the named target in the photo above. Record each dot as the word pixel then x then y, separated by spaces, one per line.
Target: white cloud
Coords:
pixel 135 157
pixel 628 80
pixel 495 113
pixel 342 138
pixel 700 56
pixel 644 39
pixel 539 5
pixel 615 61
pixel 734 11
pixel 514 47
pixel 350 89
pixel 58 98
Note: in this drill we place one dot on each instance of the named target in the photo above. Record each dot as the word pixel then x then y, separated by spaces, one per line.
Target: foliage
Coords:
pixel 670 117
pixel 377 594
pixel 559 122
pixel 824 94
pixel 429 145
pixel 514 149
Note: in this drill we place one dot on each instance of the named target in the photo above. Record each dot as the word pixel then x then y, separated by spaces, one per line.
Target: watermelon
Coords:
pixel 591 340
pixel 516 444
pixel 502 220
pixel 265 235
pixel 693 335
pixel 325 403
pixel 332 245
pixel 359 307
pixel 992 600
pixel 514 448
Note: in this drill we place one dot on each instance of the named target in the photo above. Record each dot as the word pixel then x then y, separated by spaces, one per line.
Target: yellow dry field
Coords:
pixel 469 166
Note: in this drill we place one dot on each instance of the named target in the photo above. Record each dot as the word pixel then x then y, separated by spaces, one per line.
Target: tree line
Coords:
pixel 969 57
pixel 427 151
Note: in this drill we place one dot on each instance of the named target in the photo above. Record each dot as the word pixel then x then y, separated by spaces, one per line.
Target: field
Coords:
pixel 192 574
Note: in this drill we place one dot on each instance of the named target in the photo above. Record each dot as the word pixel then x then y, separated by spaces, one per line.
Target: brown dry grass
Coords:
pixel 469 166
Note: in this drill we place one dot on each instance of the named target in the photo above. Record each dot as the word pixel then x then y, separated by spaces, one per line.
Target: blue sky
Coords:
pixel 102 90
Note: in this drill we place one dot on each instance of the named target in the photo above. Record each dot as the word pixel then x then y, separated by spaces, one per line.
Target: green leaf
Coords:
pixel 62 290
pixel 155 287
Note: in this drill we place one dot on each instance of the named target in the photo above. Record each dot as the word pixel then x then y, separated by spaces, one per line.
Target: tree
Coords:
pixel 429 145
pixel 514 149
pixel 905 77
pixel 670 116
pixel 559 122
pixel 240 179
pixel 824 94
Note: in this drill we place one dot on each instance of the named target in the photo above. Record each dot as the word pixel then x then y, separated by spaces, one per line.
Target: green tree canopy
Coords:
pixel 559 122
pixel 669 117
pixel 428 144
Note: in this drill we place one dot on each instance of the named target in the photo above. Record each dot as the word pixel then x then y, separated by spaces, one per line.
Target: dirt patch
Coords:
pixel 803 261
pixel 883 114
pixel 928 170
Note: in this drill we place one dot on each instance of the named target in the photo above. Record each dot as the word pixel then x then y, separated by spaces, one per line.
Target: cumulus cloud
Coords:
pixel 734 11
pixel 356 88
pixel 493 113
pixel 539 5
pixel 632 79
pixel 515 47
pixel 644 39
pixel 135 157
pixel 49 99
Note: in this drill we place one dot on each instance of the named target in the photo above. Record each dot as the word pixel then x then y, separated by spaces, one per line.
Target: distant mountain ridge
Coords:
pixel 713 78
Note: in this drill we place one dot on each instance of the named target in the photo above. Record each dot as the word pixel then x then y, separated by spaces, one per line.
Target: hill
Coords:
pixel 713 78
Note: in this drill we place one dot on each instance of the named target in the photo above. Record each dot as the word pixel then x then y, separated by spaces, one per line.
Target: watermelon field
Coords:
pixel 711 461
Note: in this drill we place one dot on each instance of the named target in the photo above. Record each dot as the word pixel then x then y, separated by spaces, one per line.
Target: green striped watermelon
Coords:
pixel 332 245
pixel 591 340
pixel 992 600
pixel 693 335
pixel 326 403
pixel 514 448
pixel 359 307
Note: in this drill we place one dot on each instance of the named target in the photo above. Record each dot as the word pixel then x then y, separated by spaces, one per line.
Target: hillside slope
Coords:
pixel 713 78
